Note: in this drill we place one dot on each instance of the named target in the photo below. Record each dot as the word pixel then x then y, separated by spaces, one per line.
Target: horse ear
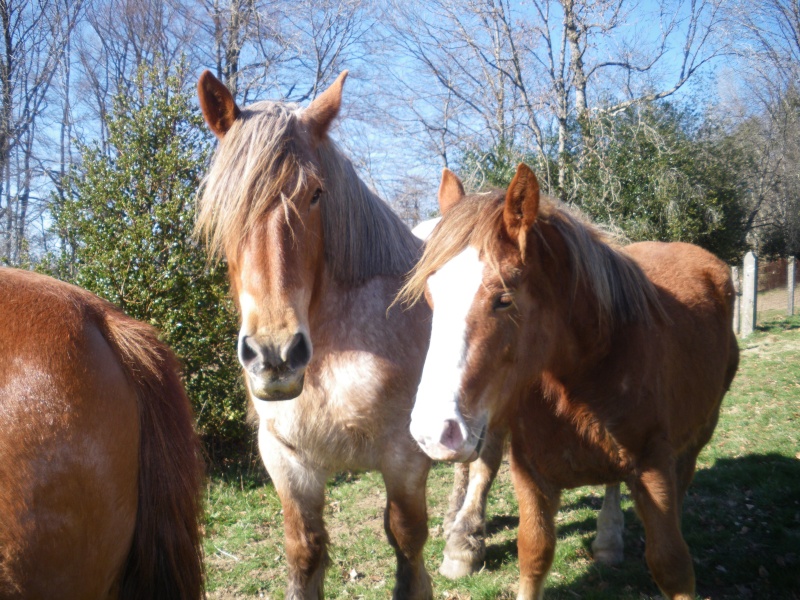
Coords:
pixel 451 191
pixel 521 205
pixel 217 103
pixel 323 109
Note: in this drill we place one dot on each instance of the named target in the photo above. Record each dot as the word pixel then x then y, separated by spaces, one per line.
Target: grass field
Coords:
pixel 741 517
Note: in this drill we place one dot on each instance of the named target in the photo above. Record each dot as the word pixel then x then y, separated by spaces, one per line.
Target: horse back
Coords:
pixel 696 278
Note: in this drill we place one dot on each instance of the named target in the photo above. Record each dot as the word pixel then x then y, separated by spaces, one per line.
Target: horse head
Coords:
pixel 261 208
pixel 479 296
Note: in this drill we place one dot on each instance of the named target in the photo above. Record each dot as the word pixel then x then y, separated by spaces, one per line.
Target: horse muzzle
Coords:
pixel 449 440
pixel 268 385
pixel 275 372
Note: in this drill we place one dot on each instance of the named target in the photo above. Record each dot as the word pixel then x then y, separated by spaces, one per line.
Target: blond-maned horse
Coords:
pixel 314 260
pixel 100 468
pixel 608 364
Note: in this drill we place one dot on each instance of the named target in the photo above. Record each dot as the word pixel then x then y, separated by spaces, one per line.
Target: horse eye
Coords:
pixel 502 301
pixel 316 196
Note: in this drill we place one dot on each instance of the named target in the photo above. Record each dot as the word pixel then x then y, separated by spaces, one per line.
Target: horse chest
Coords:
pixel 564 453
pixel 347 405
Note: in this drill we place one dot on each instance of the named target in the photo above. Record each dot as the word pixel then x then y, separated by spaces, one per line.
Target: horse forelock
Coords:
pixel 471 221
pixel 258 164
pixel 265 159
pixel 623 292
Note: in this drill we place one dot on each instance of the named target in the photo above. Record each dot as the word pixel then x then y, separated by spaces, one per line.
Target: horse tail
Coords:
pixel 165 560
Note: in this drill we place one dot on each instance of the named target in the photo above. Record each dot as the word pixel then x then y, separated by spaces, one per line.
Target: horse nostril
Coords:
pixel 451 436
pixel 248 351
pixel 299 352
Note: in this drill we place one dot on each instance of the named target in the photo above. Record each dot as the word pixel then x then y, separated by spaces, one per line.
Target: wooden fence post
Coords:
pixel 737 298
pixel 790 286
pixel 749 294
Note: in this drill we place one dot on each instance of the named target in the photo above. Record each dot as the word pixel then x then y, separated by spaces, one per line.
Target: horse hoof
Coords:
pixel 608 556
pixel 453 568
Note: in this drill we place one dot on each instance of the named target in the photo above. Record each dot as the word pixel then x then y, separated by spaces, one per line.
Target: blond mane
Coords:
pixel 262 162
pixel 623 291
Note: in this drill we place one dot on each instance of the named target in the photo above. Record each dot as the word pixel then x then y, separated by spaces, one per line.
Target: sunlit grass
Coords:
pixel 741 518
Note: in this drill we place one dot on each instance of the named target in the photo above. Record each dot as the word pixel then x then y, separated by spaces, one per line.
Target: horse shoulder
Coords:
pixel 363 318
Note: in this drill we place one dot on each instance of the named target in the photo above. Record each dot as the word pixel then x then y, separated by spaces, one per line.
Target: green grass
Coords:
pixel 741 516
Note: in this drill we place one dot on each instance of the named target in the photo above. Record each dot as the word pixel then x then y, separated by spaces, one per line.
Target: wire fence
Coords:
pixel 773 293
pixel 770 291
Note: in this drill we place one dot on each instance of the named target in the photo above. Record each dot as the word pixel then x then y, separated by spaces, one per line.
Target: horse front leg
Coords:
pixel 465 523
pixel 655 493
pixel 607 547
pixel 406 522
pixel 461 477
pixel 536 539
pixel 301 490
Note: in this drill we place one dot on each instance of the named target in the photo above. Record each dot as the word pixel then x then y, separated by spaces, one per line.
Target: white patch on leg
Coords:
pixel 608 546
pixel 453 289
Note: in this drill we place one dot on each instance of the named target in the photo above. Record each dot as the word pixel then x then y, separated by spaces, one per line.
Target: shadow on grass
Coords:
pixel 779 325
pixel 741 520
pixel 237 464
pixel 501 522
pixel 498 555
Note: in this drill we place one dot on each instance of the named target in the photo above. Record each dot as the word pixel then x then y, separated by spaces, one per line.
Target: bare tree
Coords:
pixel 35 35
pixel 769 36
pixel 260 47
pixel 525 74
pixel 768 101
pixel 240 39
pixel 118 37
pixel 461 55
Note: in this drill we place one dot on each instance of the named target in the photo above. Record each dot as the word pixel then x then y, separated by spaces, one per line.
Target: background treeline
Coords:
pixel 669 120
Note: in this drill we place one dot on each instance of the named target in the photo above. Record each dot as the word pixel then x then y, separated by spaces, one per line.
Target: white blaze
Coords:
pixel 247 306
pixel 453 289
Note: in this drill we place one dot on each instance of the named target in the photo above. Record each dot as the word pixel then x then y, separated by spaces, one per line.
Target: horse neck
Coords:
pixel 357 319
pixel 583 334
pixel 336 302
pixel 363 237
